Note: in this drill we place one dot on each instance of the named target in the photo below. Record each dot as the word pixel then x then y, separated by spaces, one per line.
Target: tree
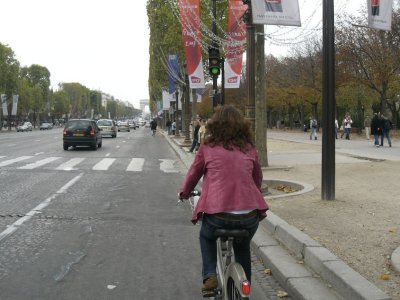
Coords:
pixel 371 58
pixel 9 70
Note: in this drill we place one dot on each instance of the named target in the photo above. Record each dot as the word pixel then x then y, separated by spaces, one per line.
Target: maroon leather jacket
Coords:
pixel 232 181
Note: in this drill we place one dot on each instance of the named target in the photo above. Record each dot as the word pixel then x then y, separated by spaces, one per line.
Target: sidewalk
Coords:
pixel 342 230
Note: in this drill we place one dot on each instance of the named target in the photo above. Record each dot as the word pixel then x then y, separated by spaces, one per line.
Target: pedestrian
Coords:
pixel 231 196
pixel 202 132
pixel 367 127
pixel 168 124
pixel 386 127
pixel 336 128
pixel 196 127
pixel 313 128
pixel 173 127
pixel 153 126
pixel 376 129
pixel 347 126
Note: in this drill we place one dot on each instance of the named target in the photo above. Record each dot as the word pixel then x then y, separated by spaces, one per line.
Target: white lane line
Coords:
pixel 14 226
pixel 39 163
pixel 104 164
pixel 1 156
pixel 69 165
pixel 14 160
pixel 108 154
pixel 38 153
pixel 136 165
pixel 167 166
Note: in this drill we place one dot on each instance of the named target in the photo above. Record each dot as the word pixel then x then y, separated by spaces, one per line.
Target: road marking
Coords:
pixel 104 164
pixel 118 146
pixel 108 154
pixel 38 153
pixel 1 156
pixel 167 166
pixel 14 226
pixel 69 165
pixel 39 163
pixel 14 160
pixel 136 165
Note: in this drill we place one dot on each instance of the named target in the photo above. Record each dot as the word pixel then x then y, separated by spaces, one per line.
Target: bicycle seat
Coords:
pixel 231 233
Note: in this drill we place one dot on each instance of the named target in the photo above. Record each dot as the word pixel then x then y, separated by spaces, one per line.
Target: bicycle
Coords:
pixel 232 280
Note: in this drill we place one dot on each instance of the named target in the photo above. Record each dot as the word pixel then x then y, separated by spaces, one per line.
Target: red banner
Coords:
pixel 190 19
pixel 236 43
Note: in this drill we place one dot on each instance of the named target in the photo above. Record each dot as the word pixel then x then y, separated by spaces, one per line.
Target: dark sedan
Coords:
pixel 82 132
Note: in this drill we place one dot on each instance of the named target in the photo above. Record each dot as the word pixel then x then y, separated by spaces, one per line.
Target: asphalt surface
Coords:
pixel 304 268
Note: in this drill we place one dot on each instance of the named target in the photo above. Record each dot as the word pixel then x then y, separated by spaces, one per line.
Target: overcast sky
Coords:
pixel 102 44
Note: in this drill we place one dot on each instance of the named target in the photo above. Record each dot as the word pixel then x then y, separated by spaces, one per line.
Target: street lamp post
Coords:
pixel 176 115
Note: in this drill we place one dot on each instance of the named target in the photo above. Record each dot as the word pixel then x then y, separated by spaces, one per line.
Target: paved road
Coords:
pixel 83 224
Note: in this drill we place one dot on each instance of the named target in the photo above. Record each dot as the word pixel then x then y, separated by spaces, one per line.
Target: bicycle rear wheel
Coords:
pixel 233 292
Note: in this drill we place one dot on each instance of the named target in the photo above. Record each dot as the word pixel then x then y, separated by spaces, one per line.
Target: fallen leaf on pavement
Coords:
pixel 282 294
pixel 385 277
pixel 268 271
pixel 393 229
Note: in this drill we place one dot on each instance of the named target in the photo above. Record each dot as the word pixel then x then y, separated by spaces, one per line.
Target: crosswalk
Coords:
pixel 134 164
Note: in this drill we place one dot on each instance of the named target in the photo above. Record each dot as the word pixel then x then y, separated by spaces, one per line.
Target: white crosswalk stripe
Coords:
pixel 104 164
pixel 39 163
pixel 135 164
pixel 69 165
pixel 14 160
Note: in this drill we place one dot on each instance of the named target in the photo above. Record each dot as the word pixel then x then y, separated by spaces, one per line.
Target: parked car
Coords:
pixel 46 126
pixel 124 126
pixel 27 126
pixel 82 132
pixel 108 127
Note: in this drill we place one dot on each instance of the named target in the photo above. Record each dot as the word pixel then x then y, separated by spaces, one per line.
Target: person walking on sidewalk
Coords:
pixel 173 127
pixel 386 126
pixel 168 124
pixel 313 127
pixel 375 129
pixel 196 128
pixel 231 196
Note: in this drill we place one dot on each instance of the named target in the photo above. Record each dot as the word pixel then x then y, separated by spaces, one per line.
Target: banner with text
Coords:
pixel 173 70
pixel 4 104
pixel 380 14
pixel 236 43
pixel 15 105
pixel 276 12
pixel 190 19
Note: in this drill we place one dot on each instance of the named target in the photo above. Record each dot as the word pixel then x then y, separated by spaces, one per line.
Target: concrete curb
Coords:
pixel 344 280
pixel 395 259
pixel 302 266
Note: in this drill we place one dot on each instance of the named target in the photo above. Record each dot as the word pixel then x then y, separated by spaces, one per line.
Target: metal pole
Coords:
pixel 186 110
pixel 214 43
pixel 328 105
pixel 222 81
pixel 177 113
pixel 250 70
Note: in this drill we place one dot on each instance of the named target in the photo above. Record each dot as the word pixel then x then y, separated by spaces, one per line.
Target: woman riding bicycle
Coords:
pixel 231 196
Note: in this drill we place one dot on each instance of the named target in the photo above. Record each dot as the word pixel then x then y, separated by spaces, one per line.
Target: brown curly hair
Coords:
pixel 228 128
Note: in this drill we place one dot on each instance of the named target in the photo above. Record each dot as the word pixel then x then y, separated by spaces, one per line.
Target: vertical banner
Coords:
pixel 380 14
pixel 276 12
pixel 236 43
pixel 190 19
pixel 166 98
pixel 4 104
pixel 172 72
pixel 15 105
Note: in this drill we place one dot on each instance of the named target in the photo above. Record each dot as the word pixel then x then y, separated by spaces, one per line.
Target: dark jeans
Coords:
pixel 194 144
pixel 241 247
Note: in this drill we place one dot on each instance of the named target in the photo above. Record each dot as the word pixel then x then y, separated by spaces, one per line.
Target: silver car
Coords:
pixel 108 127
pixel 27 126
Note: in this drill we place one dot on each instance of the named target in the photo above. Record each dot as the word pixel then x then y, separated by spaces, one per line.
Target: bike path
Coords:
pixel 303 267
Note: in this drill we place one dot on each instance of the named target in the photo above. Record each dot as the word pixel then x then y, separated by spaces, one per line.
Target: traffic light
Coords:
pixel 214 61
